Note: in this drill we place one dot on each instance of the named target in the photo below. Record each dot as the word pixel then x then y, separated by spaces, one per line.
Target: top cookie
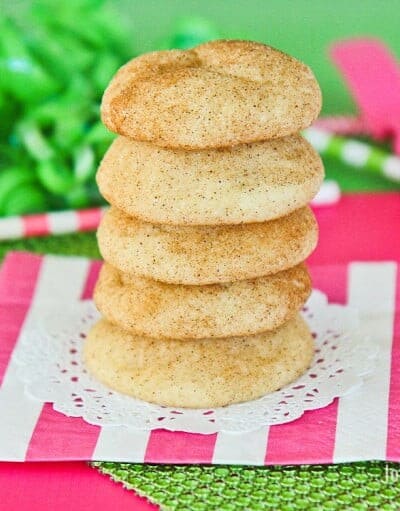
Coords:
pixel 218 94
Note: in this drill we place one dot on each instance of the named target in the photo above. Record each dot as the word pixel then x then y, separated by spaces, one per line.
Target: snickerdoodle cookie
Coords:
pixel 206 255
pixel 149 307
pixel 200 373
pixel 247 183
pixel 218 94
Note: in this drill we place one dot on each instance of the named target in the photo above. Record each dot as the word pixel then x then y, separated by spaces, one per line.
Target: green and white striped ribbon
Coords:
pixel 355 153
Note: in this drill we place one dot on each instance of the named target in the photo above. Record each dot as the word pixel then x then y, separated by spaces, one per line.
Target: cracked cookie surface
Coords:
pixel 218 94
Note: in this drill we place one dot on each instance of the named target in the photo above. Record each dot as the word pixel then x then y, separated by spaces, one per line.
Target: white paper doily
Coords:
pixel 50 363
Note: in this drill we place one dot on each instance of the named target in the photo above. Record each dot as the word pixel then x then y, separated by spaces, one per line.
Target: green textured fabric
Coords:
pixel 83 244
pixel 363 486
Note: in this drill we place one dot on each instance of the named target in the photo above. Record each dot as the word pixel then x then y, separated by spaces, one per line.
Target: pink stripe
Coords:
pixel 36 225
pixel 63 487
pixel 311 438
pixel 307 440
pixel 331 279
pixel 91 280
pixel 18 276
pixel 89 219
pixel 171 447
pixel 393 445
pixel 18 279
pixel 373 75
pixel 359 227
pixel 57 436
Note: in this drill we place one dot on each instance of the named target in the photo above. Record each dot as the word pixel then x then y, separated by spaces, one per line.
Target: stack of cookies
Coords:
pixel 204 243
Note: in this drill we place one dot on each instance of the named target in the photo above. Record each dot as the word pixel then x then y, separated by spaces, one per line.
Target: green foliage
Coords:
pixel 54 67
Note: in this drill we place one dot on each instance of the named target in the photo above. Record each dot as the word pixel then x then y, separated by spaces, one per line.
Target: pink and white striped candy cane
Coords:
pixel 80 220
pixel 43 224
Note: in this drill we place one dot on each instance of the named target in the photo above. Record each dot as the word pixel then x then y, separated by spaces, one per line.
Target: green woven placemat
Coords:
pixel 195 488
pixel 83 244
pixel 332 487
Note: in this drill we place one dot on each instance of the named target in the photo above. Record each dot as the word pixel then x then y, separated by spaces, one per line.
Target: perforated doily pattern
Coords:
pixel 51 365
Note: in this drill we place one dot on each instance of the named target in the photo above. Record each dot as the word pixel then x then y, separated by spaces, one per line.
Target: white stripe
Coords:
pixel 63 222
pixel 121 444
pixel 329 193
pixel 12 227
pixel 361 432
pixel 241 448
pixel 391 168
pixel 318 138
pixel 355 153
pixel 60 280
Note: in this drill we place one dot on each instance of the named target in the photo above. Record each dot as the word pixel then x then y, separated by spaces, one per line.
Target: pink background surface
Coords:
pixel 372 74
pixel 360 227
pixel 62 487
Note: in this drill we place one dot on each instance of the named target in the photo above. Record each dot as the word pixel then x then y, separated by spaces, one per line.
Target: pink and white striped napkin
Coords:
pixel 361 426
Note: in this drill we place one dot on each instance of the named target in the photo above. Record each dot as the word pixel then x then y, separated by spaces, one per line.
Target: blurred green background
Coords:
pixel 302 28
pixel 56 58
